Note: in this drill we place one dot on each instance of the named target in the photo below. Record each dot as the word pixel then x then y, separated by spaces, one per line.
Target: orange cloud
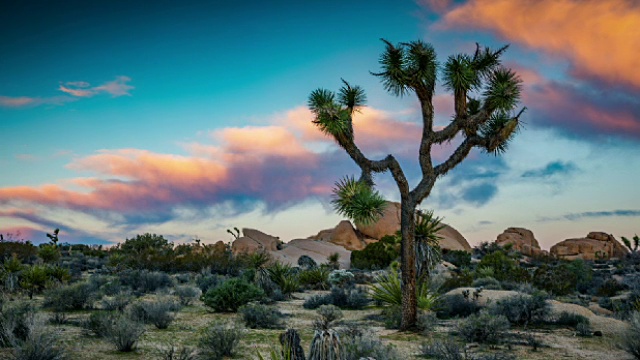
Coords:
pixel 600 38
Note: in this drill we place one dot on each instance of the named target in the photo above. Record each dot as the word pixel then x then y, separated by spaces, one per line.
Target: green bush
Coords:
pixel 631 338
pixel 364 345
pixel 483 328
pixel 459 258
pixel 145 281
pixel 570 319
pixel 231 295
pixel 99 323
pixel 219 340
pixel 258 316
pixel 377 255
pixel 558 280
pixel 157 312
pixel 15 320
pixel 523 309
pixel 70 297
pixel 285 277
pixel 451 306
pixel 349 297
pixel 487 283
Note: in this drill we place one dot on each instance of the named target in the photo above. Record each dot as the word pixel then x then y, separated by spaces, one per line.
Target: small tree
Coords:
pixel 485 97
pixel 636 241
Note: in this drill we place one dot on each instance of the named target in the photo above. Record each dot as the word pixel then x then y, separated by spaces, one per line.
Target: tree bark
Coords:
pixel 408 265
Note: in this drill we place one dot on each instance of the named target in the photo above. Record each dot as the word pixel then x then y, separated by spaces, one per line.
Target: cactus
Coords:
pixel 326 346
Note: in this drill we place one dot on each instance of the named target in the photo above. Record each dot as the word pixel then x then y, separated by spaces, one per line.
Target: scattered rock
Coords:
pixel 522 240
pixel 595 246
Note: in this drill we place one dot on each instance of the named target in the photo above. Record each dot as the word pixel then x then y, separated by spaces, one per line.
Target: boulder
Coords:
pixel 595 246
pixel 344 235
pixel 522 240
pixel 389 224
pixel 315 249
pixel 253 241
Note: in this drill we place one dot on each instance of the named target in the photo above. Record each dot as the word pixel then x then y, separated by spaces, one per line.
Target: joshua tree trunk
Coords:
pixel 408 265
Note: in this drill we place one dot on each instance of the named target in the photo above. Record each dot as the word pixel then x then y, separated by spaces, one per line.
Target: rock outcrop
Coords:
pixel 389 223
pixel 253 241
pixel 595 246
pixel 522 240
pixel 344 235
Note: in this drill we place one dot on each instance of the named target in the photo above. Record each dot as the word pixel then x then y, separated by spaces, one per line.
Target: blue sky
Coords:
pixel 189 118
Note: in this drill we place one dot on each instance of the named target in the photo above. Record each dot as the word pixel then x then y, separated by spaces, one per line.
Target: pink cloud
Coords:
pixel 16 102
pixel 600 38
pixel 117 87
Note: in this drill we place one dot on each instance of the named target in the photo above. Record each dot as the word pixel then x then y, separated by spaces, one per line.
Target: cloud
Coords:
pixel 25 101
pixel 480 194
pixel 599 38
pixel 592 214
pixel 117 87
pixel 551 169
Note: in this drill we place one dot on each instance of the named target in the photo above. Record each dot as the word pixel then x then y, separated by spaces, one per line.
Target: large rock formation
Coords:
pixel 597 245
pixel 521 239
pixel 344 235
pixel 253 241
pixel 389 223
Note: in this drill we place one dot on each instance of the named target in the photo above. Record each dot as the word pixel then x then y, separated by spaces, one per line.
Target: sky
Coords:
pixel 188 118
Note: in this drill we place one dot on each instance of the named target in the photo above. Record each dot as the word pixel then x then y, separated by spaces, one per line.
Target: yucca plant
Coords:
pixel 388 290
pixel 428 253
pixel 285 277
pixel 326 345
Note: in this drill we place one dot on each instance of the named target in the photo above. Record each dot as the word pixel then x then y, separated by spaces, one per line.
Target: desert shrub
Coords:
pixel 341 278
pixel 183 278
pixel 145 281
pixel 606 303
pixel 427 322
pixel 327 317
pixel 23 251
pixel 442 350
pixel 187 294
pixel 232 294
pixel 558 280
pixel 501 264
pixel 570 319
pixel 523 309
pixel 306 262
pixel 208 281
pixel 316 301
pixel 488 283
pixel 117 302
pixel 459 258
pixel 173 352
pixel 39 344
pixel 450 306
pixel 70 297
pixel 483 328
pixel 159 313
pixel 630 341
pixel 392 316
pixel 458 279
pixel 124 333
pixel 609 287
pixel 99 323
pixel 34 279
pixel 219 340
pixel 350 297
pixel 377 255
pixel 359 345
pixel 584 329
pixel 258 316
pixel 15 320
pixel 316 278
pixel 49 253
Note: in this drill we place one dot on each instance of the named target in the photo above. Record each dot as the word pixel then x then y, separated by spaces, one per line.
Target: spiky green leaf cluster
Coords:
pixel 503 90
pixel 463 73
pixel 358 201
pixel 333 115
pixel 499 130
pixel 636 243
pixel 408 66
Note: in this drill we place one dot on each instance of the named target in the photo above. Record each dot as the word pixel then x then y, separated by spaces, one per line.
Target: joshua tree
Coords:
pixel 54 236
pixel 486 95
pixel 636 241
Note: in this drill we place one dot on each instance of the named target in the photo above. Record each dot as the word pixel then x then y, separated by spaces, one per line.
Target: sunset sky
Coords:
pixel 185 118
